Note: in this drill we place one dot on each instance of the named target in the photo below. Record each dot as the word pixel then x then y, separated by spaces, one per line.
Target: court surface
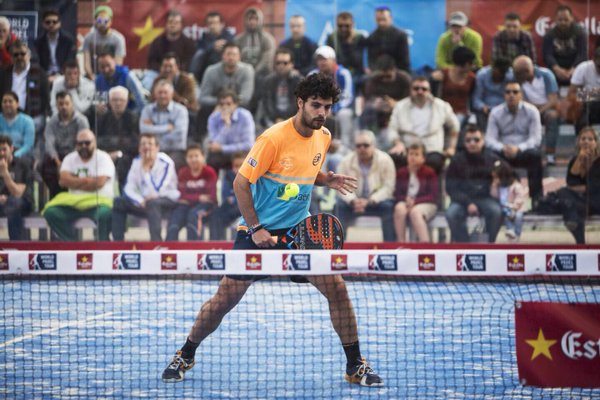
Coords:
pixel 111 338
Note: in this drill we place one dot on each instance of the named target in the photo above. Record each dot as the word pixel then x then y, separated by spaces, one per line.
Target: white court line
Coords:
pixel 49 330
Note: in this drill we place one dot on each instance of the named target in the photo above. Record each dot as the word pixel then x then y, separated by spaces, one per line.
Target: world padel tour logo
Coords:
pixel 129 261
pixel 253 262
pixel 515 262
pixel 561 262
pixel 470 262
pixel 383 262
pixel 3 261
pixel 168 261
pixel 211 261
pixel 426 262
pixel 84 261
pixel 296 262
pixel 339 262
pixel 42 261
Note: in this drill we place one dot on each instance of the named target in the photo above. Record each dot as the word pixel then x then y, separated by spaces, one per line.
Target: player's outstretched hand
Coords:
pixel 342 183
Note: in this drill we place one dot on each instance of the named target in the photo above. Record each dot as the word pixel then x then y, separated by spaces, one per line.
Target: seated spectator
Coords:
pixel 514 132
pixel 29 81
pixel 171 41
pixel 587 79
pixel 257 46
pixel 489 89
pixel 301 46
pixel 581 197
pixel 228 211
pixel 512 41
pixel 349 45
pixel 18 126
pixel 375 172
pixel 457 35
pixel 468 183
pixel 457 82
pixel 150 192
pixel 118 133
pixel 211 44
pixel 111 75
pixel 184 85
pixel 80 88
pixel 512 196
pixel 426 119
pixel 382 89
pixel 565 45
pixel 54 46
pixel 277 100
pixel 230 130
pixel 89 175
pixel 416 195
pixel 197 183
pixel 168 120
pixel 102 39
pixel 7 38
pixel 16 189
pixel 388 39
pixel 59 140
pixel 540 89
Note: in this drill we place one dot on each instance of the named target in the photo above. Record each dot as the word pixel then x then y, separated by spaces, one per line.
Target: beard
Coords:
pixel 312 123
pixel 85 153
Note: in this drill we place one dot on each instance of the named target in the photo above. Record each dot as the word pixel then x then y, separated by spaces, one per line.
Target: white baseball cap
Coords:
pixel 326 52
pixel 458 18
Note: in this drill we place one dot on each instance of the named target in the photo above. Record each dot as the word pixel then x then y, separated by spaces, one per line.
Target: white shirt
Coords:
pixel 535 91
pixel 421 118
pixel 53 68
pixel 586 75
pixel 99 165
pixel 19 85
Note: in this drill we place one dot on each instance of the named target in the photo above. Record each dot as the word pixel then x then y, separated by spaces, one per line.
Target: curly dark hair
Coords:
pixel 318 85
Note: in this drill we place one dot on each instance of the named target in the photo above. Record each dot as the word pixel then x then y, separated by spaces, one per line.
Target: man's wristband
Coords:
pixel 255 228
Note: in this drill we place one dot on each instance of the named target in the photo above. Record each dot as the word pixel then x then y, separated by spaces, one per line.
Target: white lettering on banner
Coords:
pixel 590 25
pixel 570 346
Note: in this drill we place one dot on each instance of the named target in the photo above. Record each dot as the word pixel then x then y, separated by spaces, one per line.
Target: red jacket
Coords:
pixel 428 188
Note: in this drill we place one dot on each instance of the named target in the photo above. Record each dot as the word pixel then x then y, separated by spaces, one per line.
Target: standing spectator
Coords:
pixel 55 46
pixel 168 120
pixel 489 89
pixel 118 132
pixel 277 99
pixel 301 46
pixel 171 41
pixel 514 132
pixel 512 196
pixel 468 183
pixel 257 45
pixel 383 88
pixel 150 192
pixel 16 191
pixel 587 78
pixel 540 89
pixel 416 195
pixel 197 183
pixel 513 41
pixel 228 211
pixel 376 182
pixel 230 129
pixel 112 75
pixel 349 45
pixel 565 45
pixel 7 37
pixel 458 35
pixel 29 81
pixel 17 125
pixel 89 174
pixel 211 44
pixel 426 119
pixel 387 39
pixel 184 85
pixel 59 140
pixel 80 88
pixel 102 38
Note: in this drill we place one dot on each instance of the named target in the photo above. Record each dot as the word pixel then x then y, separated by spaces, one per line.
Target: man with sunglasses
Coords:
pixel 55 46
pixel 102 37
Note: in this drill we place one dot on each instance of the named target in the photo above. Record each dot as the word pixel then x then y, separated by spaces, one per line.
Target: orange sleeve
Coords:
pixel 259 159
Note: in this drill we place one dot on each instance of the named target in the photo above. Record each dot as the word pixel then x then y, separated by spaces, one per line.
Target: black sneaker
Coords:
pixel 363 375
pixel 176 369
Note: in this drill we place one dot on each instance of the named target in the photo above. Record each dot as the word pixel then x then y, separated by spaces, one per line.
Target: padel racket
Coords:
pixel 319 231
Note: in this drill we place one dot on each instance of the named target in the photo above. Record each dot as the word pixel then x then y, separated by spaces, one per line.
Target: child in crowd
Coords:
pixel 416 194
pixel 507 188
pixel 198 187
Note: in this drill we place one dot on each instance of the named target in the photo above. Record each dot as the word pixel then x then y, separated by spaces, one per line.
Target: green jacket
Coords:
pixel 445 47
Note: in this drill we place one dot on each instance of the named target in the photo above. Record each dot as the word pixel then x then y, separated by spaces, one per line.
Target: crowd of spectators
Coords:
pixel 105 141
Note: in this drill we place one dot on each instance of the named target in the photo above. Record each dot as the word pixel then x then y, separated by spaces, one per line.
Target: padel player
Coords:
pixel 291 151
